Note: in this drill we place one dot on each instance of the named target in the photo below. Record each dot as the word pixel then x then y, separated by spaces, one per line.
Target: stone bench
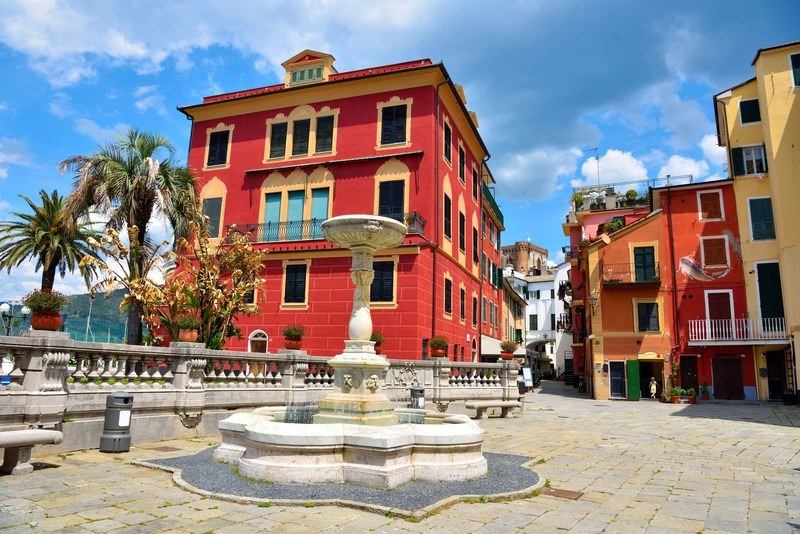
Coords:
pixel 18 445
pixel 482 406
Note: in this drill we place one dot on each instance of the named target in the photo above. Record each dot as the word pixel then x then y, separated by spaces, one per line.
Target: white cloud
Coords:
pixel 60 105
pixel 149 99
pixel 13 152
pixel 712 151
pixel 679 166
pixel 535 175
pixel 99 134
pixel 3 106
pixel 615 166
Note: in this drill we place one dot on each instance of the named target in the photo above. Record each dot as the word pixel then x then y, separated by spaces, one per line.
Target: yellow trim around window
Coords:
pixel 384 305
pixel 392 170
pixel 301 113
pixel 660 302
pixel 215 188
pixel 220 127
pixel 393 101
pixel 447 276
pixel 295 305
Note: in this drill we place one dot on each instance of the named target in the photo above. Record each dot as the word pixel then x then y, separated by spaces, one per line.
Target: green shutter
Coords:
pixel 764 148
pixel 634 387
pixel 737 155
pixel 518 335
pixel 796 69
pixel 212 208
pixel 761 219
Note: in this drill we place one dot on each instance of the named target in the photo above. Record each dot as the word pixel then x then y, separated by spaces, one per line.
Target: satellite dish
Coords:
pixel 606 239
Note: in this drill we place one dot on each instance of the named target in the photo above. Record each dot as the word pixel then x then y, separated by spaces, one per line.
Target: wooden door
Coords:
pixel 719 315
pixel 689 372
pixel 776 374
pixel 727 376
pixel 617 376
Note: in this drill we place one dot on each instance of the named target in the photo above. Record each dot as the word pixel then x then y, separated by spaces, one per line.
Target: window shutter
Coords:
pixel 277 141
pixel 324 134
pixel 212 208
pixel 764 153
pixel 737 155
pixel 796 69
pixel 300 137
pixel 400 124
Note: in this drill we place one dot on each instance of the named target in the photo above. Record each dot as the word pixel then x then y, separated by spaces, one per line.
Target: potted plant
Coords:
pixel 438 346
pixel 45 305
pixel 704 391
pixel 507 349
pixel 675 395
pixel 187 326
pixel 691 395
pixel 293 336
pixel 378 339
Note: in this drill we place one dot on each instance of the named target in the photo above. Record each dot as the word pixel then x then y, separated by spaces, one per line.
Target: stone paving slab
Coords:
pixel 645 467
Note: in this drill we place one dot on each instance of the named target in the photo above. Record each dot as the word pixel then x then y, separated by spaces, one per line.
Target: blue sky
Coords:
pixel 549 81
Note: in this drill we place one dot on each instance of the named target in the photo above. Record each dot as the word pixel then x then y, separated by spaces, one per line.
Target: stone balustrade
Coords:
pixel 184 390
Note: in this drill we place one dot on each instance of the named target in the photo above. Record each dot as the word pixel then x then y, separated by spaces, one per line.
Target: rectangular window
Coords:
pixel 300 137
pixel 319 211
pixel 212 208
pixel 552 293
pixel 474 245
pixel 710 205
pixel 761 220
pixel 324 134
pixel 475 184
pixel 249 297
pixel 794 59
pixel 648 316
pixel 748 160
pixel 448 295
pixel 295 289
pixel 714 252
pixel 552 321
pixel 533 322
pixel 391 199
pixel 218 148
pixel 484 309
pixel 294 215
pixel 463 303
pixel 474 311
pixel 382 289
pixel 462 165
pixel 749 112
pixel 393 124
pixel 277 140
pixel 644 262
pixel 448 217
pixel 462 232
pixel 448 139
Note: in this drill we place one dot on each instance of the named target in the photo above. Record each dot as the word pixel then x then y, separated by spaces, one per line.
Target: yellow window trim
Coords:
pixel 393 101
pixel 657 300
pixel 295 305
pixel 382 305
pixel 220 127
pixel 300 113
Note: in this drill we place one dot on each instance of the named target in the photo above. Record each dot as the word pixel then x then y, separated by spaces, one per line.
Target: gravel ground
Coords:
pixel 506 474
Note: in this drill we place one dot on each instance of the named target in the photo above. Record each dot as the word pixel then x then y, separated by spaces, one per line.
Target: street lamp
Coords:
pixel 7 315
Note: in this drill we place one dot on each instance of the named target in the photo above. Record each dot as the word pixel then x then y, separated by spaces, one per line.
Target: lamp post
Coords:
pixel 7 315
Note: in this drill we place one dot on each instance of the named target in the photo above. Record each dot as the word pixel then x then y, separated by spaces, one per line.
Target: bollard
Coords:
pixel 116 435
pixel 418 398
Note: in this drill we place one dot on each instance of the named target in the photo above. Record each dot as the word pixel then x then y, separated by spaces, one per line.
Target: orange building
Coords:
pixel 394 140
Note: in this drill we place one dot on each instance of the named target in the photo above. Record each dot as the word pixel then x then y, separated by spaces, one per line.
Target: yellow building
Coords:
pixel 758 121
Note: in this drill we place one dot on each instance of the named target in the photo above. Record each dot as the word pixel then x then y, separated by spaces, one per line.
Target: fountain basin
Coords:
pixel 372 232
pixel 377 457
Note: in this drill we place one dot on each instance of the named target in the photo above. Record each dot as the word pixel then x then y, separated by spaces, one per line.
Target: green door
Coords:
pixel 634 387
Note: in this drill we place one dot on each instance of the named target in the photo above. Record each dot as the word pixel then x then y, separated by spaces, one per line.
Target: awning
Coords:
pixel 491 346
pixel 650 355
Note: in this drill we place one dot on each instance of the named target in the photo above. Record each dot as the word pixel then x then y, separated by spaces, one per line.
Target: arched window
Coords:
pixel 258 341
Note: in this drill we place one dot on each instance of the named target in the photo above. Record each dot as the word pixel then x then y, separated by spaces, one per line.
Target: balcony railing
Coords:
pixel 570 252
pixel 627 273
pixel 738 330
pixel 312 228
pixel 564 322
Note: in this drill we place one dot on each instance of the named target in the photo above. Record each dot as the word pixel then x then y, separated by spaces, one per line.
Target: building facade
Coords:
pixel 396 141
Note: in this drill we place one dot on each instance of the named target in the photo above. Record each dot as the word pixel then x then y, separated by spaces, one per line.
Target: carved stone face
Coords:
pixel 372 383
pixel 347 383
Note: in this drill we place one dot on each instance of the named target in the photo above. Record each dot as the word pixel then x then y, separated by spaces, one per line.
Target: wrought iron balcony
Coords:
pixel 570 252
pixel 628 273
pixel 312 229
pixel 737 331
pixel 564 323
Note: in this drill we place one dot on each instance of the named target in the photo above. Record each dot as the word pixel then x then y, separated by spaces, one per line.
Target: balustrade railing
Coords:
pixel 770 328
pixel 186 381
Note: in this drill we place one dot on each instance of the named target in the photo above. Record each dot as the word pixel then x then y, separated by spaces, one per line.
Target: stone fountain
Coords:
pixel 343 444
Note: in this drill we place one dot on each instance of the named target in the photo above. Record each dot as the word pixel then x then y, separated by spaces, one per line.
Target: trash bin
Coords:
pixel 418 398
pixel 521 387
pixel 116 435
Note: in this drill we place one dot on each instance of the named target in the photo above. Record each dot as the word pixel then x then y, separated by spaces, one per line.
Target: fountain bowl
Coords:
pixel 368 231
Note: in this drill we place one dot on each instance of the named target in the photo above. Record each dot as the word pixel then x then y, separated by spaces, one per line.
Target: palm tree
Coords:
pixel 50 234
pixel 125 182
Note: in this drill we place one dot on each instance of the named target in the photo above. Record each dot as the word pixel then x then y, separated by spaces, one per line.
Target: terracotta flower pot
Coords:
pixel 704 396
pixel 187 336
pixel 692 399
pixel 45 320
pixel 675 399
pixel 378 348
pixel 437 353
pixel 293 344
pixel 506 355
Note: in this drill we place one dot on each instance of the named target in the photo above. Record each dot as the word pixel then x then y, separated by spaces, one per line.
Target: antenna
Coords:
pixel 596 159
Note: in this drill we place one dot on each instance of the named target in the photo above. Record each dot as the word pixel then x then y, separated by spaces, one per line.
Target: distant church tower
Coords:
pixel 526 258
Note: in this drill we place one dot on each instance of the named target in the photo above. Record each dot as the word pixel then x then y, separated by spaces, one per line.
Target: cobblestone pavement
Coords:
pixel 641 466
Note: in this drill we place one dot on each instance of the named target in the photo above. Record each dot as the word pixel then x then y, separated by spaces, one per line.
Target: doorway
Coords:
pixel 651 369
pixel 689 372
pixel 776 374
pixel 617 376
pixel 726 370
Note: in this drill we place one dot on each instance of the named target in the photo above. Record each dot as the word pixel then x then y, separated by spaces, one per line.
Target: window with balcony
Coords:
pixel 391 199
pixel 748 160
pixel 762 223
pixel 647 317
pixel 382 288
pixel 218 148
pixel 715 251
pixel 710 205
pixel 749 112
pixel 644 260
pixel 212 208
pixel 393 124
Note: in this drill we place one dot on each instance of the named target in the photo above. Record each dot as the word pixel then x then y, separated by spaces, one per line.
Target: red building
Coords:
pixel 396 141
pixel 714 334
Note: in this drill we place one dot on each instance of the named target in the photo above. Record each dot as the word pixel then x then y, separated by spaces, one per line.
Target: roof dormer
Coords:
pixel 308 66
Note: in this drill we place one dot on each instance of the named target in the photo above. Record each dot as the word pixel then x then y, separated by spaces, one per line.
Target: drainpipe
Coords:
pixel 675 312
pixel 437 229
pixel 480 256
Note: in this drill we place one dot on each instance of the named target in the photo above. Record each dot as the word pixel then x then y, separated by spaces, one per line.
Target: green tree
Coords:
pixel 50 235
pixel 126 182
